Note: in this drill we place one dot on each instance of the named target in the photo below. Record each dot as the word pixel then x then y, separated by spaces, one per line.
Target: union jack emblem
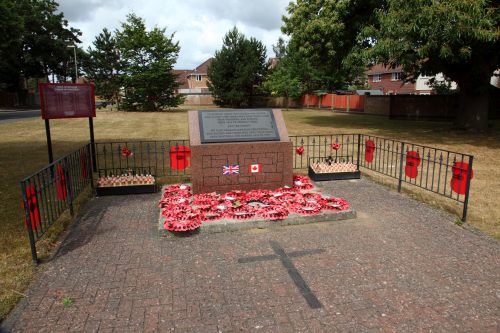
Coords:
pixel 230 169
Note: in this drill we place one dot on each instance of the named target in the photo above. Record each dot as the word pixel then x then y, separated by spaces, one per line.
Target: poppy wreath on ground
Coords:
pixel 241 213
pixel 258 195
pixel 212 215
pixel 306 209
pixel 205 199
pixel 287 190
pixel 183 211
pixel 182 225
pixel 273 213
pixel 302 182
pixel 233 196
pixel 174 201
pixel 334 204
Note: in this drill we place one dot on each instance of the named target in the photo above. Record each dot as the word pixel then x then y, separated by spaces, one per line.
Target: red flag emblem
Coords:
pixel 252 168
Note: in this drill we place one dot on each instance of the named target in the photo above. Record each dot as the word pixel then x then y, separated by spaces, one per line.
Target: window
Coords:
pixel 198 77
pixel 376 78
pixel 396 76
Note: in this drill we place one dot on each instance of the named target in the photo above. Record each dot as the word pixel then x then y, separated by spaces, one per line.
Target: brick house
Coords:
pixel 389 80
pixel 193 78
pixel 193 84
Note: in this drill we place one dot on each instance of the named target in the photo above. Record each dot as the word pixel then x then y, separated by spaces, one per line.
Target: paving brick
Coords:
pixel 399 266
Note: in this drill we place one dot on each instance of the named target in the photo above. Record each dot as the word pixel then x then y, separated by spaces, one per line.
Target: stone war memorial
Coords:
pixel 242 177
pixel 239 149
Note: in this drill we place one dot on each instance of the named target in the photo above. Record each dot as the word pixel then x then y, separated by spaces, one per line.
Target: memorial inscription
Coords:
pixel 237 126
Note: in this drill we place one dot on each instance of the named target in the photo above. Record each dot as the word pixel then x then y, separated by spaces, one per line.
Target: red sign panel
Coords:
pixel 67 100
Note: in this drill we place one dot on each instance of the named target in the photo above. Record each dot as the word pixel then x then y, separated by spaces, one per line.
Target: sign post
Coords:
pixel 67 100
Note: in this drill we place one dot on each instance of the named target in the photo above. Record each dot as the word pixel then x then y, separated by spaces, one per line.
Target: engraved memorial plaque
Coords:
pixel 237 125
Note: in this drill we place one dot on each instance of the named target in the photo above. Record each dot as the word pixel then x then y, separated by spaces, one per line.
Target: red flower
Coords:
pixel 335 146
pixel 126 152
pixel 300 150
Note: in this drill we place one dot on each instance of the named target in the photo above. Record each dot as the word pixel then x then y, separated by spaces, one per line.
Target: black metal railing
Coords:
pixel 52 190
pixel 49 192
pixel 341 148
pixel 158 158
pixel 446 173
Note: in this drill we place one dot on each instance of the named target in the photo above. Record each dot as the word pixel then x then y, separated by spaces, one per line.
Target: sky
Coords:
pixel 199 25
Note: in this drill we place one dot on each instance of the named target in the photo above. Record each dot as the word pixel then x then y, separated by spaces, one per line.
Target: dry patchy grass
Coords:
pixel 23 151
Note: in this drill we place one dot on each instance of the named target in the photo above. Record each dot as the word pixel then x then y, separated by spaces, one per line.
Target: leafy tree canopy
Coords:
pixel 103 66
pixel 460 38
pixel 293 75
pixel 147 60
pixel 237 69
pixel 33 41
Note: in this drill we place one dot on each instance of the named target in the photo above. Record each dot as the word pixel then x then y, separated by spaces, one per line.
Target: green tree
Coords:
pixel 11 34
pixel 237 70
pixel 34 40
pixel 148 58
pixel 327 34
pixel 459 38
pixel 293 76
pixel 103 66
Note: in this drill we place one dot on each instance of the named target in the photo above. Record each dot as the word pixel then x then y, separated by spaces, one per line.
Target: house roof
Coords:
pixel 203 68
pixel 182 75
pixel 381 69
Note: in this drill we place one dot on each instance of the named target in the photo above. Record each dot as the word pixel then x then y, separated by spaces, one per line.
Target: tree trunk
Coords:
pixel 473 112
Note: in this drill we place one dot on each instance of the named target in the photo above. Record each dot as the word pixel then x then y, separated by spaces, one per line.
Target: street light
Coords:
pixel 76 68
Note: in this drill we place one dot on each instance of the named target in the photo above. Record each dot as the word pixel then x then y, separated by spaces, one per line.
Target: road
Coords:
pixel 14 115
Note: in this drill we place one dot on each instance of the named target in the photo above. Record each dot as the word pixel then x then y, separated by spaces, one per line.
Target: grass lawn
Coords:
pixel 23 151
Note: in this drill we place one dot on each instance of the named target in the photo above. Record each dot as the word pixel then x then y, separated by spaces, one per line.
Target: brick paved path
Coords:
pixel 400 266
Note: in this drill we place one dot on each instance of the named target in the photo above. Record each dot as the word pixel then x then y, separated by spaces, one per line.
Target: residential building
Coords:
pixel 193 84
pixel 389 80
pixel 422 86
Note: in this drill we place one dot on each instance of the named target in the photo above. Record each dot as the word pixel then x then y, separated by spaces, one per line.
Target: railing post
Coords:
pixel 90 170
pixel 400 179
pixel 68 187
pixel 467 189
pixel 29 224
pixel 359 151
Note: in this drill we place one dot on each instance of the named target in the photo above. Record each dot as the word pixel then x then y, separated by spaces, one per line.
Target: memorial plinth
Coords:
pixel 239 150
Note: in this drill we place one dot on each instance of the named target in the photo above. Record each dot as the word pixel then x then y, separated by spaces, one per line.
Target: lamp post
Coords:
pixel 74 53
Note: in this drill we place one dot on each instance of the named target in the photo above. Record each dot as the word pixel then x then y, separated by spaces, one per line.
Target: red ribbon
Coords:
pixel 61 188
pixel 32 202
pixel 369 150
pixel 412 163
pixel 459 177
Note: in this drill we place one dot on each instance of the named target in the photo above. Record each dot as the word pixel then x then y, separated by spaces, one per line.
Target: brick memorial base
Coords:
pixel 208 159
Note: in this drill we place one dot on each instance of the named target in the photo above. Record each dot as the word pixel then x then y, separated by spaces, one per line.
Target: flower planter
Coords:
pixel 333 175
pixel 126 184
pixel 126 189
